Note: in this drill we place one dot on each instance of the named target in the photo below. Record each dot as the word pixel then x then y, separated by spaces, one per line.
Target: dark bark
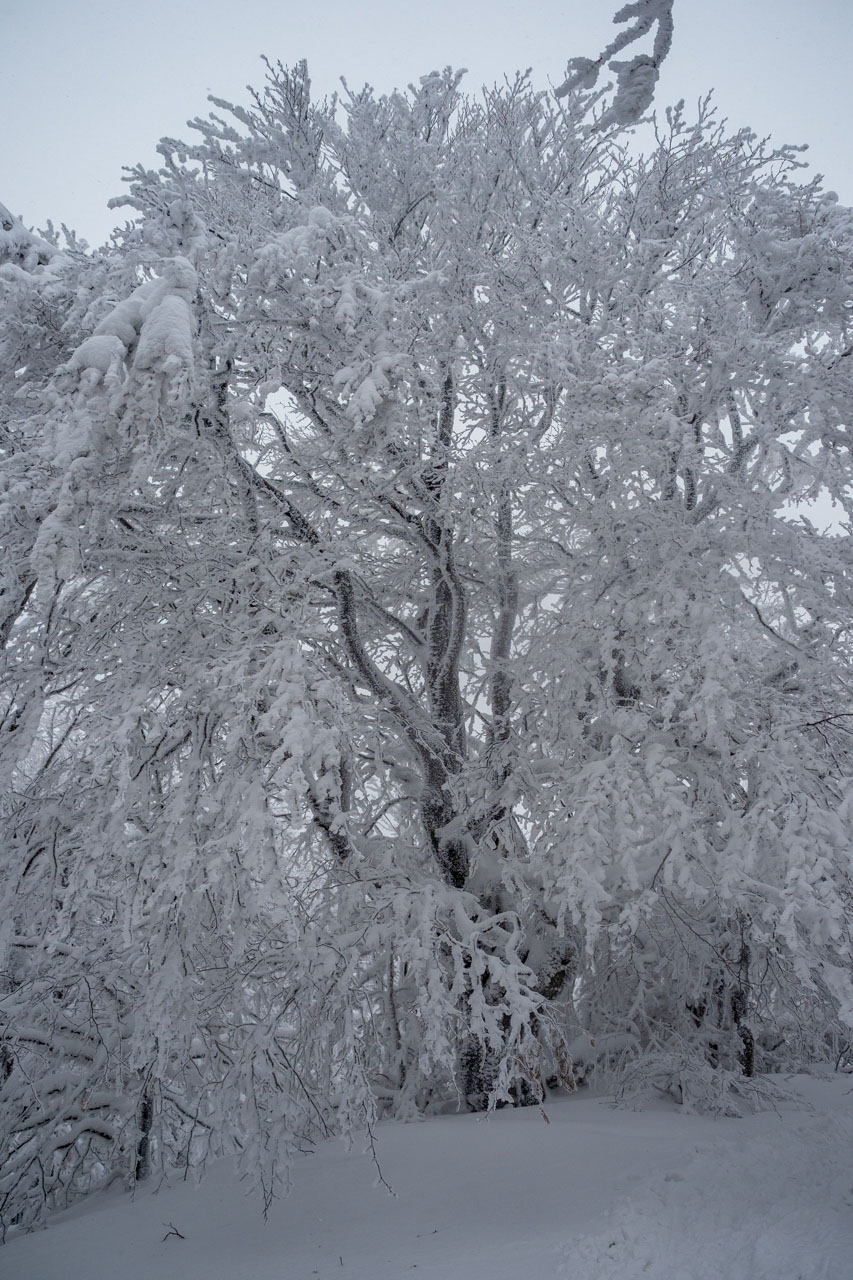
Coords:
pixel 144 1120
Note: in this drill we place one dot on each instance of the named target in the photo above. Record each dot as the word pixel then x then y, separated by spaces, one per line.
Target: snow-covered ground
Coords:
pixel 595 1194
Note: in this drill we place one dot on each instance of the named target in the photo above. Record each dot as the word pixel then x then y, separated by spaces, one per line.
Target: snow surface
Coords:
pixel 596 1194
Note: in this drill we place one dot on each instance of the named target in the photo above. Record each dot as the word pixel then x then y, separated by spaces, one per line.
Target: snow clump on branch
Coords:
pixel 154 324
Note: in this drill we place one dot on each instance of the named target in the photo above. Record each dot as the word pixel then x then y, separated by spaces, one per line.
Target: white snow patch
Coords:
pixel 596 1194
pixel 165 339
pixel 100 352
pixel 155 319
pixel 320 217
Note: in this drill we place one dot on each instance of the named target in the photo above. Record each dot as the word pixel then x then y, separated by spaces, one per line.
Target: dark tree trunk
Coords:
pixel 144 1120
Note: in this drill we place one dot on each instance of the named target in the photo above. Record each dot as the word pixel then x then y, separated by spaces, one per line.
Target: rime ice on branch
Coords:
pixel 635 79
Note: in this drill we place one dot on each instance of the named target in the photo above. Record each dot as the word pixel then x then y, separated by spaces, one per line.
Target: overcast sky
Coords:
pixel 87 86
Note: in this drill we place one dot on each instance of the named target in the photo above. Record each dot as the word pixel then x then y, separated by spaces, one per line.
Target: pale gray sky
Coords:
pixel 87 86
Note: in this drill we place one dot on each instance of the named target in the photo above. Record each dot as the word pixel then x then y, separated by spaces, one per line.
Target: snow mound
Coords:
pixel 595 1194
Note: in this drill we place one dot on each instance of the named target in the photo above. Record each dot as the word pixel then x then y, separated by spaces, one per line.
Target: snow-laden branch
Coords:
pixel 635 79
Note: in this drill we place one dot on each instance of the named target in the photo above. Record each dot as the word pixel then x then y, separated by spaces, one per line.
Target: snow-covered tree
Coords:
pixel 423 679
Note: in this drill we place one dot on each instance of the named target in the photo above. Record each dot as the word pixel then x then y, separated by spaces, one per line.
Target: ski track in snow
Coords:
pixel 596 1194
